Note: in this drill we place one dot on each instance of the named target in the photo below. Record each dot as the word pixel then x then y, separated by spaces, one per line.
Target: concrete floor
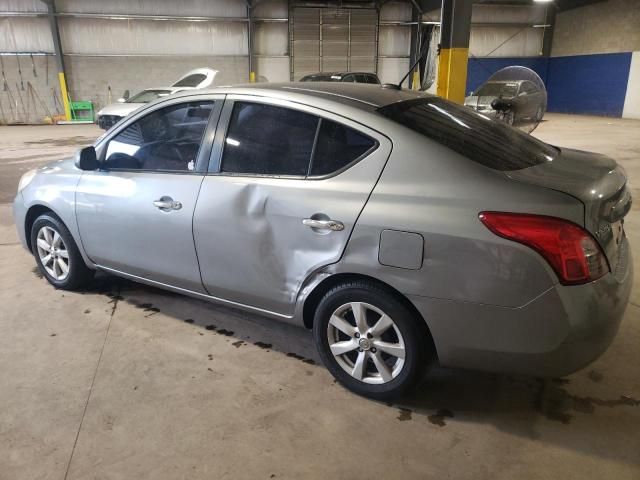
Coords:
pixel 129 382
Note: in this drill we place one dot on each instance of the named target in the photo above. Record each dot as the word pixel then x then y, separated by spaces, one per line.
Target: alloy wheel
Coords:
pixel 366 343
pixel 53 253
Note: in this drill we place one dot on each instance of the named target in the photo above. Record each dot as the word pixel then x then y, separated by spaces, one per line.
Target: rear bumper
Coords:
pixel 559 332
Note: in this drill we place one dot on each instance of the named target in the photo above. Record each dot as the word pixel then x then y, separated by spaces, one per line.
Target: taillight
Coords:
pixel 570 250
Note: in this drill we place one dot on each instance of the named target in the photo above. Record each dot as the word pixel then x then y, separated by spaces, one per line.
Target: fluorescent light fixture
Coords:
pixel 542 1
pixel 233 142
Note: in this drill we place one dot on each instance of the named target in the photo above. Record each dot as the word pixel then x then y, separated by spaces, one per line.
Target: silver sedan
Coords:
pixel 399 227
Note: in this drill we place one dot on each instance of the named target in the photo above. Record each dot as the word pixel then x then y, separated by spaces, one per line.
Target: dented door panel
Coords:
pixel 252 245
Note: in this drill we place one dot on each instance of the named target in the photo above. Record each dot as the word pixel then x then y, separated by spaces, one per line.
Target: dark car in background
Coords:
pixel 526 100
pixel 355 77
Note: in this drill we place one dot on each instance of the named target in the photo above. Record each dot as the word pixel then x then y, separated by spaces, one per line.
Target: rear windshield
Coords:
pixel 321 78
pixel 488 142
pixel 191 80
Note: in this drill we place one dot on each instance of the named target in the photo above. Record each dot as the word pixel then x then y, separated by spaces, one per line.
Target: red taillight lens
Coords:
pixel 570 250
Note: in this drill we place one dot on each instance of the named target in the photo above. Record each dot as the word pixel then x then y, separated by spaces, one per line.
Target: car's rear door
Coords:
pixel 287 184
pixel 135 213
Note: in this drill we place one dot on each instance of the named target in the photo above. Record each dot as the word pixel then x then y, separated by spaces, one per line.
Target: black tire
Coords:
pixel 418 350
pixel 79 275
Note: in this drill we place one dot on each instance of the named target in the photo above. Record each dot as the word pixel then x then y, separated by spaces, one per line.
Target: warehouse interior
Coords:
pixel 124 380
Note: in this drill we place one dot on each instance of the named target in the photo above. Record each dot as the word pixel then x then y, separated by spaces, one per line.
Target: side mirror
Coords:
pixel 125 95
pixel 501 104
pixel 86 159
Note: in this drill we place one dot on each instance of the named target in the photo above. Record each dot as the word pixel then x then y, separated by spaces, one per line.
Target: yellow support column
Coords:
pixel 452 73
pixel 65 95
pixel 416 80
pixel 455 27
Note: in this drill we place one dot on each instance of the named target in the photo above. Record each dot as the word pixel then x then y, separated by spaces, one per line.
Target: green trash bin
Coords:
pixel 81 111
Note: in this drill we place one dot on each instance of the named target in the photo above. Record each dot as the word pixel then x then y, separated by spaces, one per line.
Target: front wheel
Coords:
pixel 370 341
pixel 57 254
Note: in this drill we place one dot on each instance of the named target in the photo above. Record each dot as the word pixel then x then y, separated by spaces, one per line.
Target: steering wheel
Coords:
pixel 178 153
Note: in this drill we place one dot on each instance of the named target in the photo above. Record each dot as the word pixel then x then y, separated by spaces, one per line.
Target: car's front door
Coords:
pixel 135 212
pixel 287 186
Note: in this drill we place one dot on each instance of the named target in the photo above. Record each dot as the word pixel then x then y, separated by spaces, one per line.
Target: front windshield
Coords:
pixel 498 89
pixel 147 96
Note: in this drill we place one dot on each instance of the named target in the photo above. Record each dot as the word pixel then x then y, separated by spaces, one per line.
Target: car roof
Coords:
pixel 359 95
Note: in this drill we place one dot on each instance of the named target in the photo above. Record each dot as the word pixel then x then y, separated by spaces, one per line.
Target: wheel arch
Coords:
pixel 314 296
pixel 32 214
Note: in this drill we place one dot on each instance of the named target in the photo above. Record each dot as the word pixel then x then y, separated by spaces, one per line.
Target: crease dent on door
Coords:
pixel 254 207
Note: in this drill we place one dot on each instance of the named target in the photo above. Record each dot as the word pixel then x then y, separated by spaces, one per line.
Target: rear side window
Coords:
pixel 268 140
pixel 488 142
pixel 337 146
pixel 191 80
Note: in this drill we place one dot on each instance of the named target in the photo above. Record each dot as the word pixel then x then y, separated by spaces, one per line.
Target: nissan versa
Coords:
pixel 399 227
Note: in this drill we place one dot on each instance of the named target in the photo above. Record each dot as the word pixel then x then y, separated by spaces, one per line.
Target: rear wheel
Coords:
pixel 57 254
pixel 370 340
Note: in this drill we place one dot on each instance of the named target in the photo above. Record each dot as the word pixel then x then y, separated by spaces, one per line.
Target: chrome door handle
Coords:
pixel 167 203
pixel 333 225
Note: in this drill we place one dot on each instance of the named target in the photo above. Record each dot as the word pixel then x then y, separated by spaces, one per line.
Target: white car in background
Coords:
pixel 194 79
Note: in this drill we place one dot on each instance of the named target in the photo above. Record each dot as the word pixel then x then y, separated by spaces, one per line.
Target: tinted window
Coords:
pixel 321 78
pixel 372 79
pixel 498 89
pixel 337 147
pixel 268 140
pixel 489 142
pixel 147 96
pixel 349 78
pixel 361 78
pixel 166 139
pixel 191 80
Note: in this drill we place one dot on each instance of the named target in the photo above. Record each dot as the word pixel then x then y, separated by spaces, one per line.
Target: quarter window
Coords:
pixel 167 139
pixel 337 147
pixel 268 140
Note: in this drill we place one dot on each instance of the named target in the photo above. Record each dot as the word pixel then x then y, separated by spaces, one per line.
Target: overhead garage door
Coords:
pixel 331 39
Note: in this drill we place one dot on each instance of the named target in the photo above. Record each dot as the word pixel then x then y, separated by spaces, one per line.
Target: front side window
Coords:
pixel 268 140
pixel 528 88
pixel 337 147
pixel 167 139
pixel 191 80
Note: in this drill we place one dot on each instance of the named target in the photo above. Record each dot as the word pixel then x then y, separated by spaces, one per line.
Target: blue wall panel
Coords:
pixel 590 84
pixel 480 69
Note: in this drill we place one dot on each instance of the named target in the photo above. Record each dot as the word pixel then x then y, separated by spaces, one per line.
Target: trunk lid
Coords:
pixel 598 182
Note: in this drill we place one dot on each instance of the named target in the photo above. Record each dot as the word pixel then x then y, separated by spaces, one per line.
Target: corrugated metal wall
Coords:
pixel 125 44
pixel 332 39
